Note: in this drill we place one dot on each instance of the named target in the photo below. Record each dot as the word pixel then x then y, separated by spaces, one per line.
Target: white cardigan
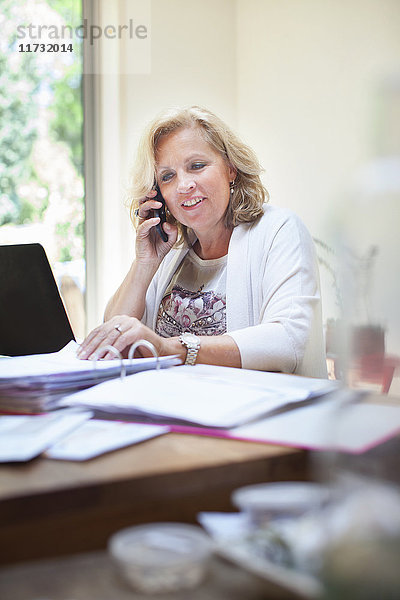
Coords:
pixel 273 304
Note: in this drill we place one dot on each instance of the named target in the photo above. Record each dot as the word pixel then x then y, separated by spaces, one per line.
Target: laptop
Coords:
pixel 33 319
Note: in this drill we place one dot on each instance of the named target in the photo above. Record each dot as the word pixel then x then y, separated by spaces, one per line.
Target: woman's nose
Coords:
pixel 185 184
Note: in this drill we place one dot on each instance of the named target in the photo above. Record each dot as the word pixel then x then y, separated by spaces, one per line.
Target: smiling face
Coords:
pixel 194 180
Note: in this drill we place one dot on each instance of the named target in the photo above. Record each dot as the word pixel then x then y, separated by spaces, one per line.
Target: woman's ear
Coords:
pixel 232 173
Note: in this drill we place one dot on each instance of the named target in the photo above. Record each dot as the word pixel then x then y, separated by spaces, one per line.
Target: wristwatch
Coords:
pixel 192 343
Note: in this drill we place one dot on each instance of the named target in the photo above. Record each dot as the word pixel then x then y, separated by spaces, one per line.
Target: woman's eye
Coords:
pixel 198 165
pixel 166 176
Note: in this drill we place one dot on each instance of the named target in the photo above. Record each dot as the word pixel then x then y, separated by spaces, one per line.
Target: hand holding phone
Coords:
pixel 160 212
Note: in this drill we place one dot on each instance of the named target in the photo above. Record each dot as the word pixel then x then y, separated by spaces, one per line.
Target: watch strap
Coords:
pixel 192 348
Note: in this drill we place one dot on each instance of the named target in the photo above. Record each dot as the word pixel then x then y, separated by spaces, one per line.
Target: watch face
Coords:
pixel 189 338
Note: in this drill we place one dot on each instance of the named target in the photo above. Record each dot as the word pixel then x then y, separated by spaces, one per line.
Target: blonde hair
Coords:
pixel 248 195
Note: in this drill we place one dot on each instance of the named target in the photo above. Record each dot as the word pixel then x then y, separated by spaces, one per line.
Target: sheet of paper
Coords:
pixel 96 437
pixel 205 395
pixel 24 437
pixel 327 425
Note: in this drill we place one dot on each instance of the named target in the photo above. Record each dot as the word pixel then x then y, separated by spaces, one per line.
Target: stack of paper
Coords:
pixel 36 383
pixel 203 395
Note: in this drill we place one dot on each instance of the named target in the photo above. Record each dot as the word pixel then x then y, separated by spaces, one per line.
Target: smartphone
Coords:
pixel 160 212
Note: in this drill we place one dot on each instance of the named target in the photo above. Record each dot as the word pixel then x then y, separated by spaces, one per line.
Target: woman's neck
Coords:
pixel 209 248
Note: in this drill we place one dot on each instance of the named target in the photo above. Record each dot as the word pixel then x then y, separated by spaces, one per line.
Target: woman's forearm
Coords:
pixel 214 350
pixel 130 297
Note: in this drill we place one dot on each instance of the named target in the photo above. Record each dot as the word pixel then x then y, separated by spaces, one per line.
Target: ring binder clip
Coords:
pixel 148 345
pixel 117 354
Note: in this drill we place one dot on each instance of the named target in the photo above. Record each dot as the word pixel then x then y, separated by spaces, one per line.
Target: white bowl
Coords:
pixel 265 501
pixel 161 557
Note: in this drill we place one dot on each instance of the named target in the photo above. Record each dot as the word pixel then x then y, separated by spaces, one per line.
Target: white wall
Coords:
pixel 308 72
pixel 300 80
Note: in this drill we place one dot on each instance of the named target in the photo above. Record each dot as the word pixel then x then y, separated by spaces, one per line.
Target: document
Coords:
pixel 24 437
pixel 96 437
pixel 35 383
pixel 352 426
pixel 204 395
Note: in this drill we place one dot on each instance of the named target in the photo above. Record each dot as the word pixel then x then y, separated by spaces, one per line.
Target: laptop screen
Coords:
pixel 32 315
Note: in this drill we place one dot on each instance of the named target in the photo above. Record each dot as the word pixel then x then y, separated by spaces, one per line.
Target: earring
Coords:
pixel 232 186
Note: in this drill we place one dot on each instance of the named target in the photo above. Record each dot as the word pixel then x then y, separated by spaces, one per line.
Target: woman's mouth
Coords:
pixel 192 202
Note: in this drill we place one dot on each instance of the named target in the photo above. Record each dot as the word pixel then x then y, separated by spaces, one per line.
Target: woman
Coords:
pixel 242 278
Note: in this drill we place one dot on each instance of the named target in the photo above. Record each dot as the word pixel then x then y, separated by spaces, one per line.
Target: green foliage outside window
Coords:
pixel 18 132
pixel 68 116
pixel 41 117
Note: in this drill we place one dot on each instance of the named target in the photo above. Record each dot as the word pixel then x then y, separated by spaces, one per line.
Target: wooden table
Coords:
pixel 93 576
pixel 50 508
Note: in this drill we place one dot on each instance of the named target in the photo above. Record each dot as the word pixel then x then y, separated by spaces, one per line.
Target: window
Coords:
pixel 41 140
